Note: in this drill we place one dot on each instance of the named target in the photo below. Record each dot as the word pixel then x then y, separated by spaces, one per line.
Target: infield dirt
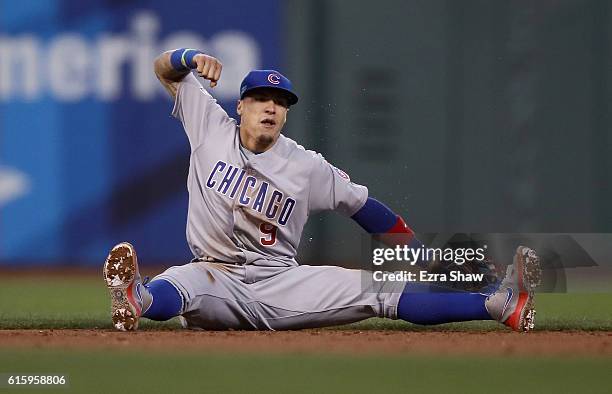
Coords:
pixel 322 341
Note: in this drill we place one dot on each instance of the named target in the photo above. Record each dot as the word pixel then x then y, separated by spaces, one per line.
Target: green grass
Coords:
pixel 38 303
pixel 154 372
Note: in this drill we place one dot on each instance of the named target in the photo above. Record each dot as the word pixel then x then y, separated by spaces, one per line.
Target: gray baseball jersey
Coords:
pixel 251 208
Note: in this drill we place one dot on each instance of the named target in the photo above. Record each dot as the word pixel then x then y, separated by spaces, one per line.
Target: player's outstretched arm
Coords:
pixel 376 218
pixel 172 66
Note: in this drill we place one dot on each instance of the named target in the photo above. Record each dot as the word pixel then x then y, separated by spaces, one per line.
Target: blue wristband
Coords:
pixel 188 56
pixel 182 59
pixel 175 59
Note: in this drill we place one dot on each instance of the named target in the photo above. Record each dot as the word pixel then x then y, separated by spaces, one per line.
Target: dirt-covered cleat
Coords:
pixel 125 286
pixel 513 302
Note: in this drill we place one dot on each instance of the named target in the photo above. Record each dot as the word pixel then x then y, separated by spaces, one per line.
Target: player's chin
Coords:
pixel 265 138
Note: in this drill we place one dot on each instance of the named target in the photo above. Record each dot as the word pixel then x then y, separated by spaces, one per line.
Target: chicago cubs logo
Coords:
pixel 274 79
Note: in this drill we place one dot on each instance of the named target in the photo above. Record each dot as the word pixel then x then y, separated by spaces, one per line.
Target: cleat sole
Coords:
pixel 529 264
pixel 527 316
pixel 120 270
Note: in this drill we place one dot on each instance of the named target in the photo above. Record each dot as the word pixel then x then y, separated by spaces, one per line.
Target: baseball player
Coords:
pixel 251 191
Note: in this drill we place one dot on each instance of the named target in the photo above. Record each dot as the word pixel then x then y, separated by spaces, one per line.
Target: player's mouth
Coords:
pixel 268 123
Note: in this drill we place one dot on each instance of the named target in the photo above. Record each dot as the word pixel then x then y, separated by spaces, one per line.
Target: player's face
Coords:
pixel 263 113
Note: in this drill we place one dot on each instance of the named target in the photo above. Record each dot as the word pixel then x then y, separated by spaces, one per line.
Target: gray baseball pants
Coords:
pixel 223 296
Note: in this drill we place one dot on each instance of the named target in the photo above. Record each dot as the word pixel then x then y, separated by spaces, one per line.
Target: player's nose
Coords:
pixel 270 108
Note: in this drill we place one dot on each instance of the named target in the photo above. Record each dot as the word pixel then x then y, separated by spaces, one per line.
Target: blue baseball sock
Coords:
pixel 167 301
pixel 426 304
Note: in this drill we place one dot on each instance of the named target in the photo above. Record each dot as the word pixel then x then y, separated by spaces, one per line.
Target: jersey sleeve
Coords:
pixel 197 110
pixel 332 189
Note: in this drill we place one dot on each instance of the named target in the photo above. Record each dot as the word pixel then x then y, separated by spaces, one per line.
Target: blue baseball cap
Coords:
pixel 268 79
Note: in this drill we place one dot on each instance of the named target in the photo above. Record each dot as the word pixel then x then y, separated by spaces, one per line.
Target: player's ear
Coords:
pixel 239 107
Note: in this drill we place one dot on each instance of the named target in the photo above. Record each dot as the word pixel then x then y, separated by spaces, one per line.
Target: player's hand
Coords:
pixel 208 67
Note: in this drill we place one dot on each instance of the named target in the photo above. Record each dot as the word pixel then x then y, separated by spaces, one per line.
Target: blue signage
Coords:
pixel 89 154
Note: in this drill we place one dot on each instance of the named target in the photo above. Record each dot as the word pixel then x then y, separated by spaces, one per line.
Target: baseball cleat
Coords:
pixel 125 286
pixel 513 302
